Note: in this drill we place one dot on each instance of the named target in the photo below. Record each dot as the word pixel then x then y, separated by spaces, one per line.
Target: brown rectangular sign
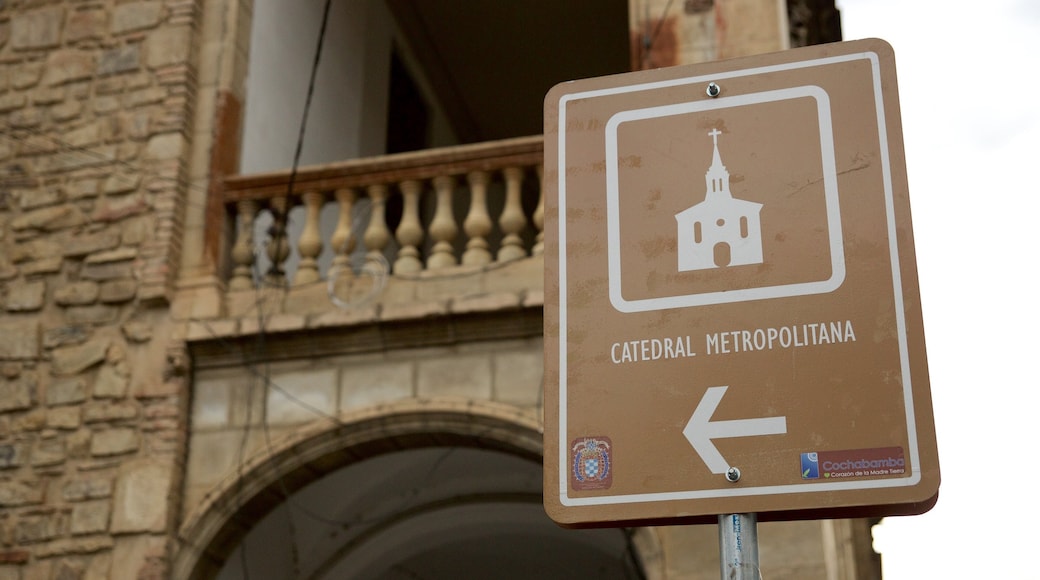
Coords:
pixel 732 313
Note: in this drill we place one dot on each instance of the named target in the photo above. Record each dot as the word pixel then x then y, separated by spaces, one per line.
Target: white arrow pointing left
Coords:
pixel 701 429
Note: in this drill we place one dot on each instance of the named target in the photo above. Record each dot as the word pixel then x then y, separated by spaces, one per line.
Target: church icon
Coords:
pixel 721 230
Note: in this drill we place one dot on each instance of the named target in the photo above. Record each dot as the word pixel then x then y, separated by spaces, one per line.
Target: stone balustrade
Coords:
pixel 425 212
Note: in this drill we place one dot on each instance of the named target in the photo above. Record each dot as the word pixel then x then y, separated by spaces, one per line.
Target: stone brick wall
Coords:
pixel 96 102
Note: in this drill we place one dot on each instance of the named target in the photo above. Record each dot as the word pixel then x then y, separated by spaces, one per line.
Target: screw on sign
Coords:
pixel 732 313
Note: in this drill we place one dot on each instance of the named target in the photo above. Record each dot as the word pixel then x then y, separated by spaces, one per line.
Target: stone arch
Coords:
pixel 210 533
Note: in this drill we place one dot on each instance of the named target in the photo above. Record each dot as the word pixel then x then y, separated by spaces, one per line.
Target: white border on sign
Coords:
pixel 886 170
pixel 830 185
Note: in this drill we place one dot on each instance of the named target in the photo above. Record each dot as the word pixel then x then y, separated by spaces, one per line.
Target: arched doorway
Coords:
pixel 421 490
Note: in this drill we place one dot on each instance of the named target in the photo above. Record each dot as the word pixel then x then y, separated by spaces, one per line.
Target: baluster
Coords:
pixel 539 217
pixel 443 228
pixel 409 233
pixel 377 235
pixel 278 245
pixel 242 251
pixel 478 223
pixel 309 244
pixel 343 241
pixel 512 220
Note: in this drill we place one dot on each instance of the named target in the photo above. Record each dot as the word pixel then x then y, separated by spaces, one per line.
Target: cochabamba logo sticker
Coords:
pixel 810 466
pixel 854 463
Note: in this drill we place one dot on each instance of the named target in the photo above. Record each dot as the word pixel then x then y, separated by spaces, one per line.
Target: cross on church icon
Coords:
pixel 721 230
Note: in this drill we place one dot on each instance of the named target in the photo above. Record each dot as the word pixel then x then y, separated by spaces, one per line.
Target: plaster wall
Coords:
pixel 347 118
pixel 667 33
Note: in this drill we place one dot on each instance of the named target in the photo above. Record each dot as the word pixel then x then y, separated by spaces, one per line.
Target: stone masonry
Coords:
pixel 96 100
pixel 235 415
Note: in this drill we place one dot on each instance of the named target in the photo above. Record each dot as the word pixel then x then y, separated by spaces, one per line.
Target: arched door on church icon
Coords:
pixel 721 253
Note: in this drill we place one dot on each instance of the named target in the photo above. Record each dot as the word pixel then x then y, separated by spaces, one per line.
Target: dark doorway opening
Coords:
pixel 408 114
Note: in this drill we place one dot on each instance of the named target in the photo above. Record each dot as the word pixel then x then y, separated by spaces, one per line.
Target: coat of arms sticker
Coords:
pixel 591 463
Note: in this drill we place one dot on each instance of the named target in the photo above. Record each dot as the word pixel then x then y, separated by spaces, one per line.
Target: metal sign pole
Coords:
pixel 738 547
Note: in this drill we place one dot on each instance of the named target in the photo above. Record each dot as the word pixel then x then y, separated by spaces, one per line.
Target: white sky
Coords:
pixel 969 85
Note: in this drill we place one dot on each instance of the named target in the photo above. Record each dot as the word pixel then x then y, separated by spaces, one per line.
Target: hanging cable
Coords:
pixel 278 229
pixel 310 95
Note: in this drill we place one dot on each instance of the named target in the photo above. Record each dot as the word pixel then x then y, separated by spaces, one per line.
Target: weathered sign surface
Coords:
pixel 731 287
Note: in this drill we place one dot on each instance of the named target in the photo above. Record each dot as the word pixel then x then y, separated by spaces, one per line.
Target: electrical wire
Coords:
pixel 279 228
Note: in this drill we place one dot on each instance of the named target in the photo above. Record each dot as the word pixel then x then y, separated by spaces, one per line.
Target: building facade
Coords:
pixel 215 366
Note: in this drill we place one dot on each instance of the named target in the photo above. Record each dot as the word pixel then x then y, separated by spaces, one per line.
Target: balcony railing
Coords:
pixel 419 213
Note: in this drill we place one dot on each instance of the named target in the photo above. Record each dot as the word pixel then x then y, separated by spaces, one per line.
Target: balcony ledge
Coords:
pixel 504 302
